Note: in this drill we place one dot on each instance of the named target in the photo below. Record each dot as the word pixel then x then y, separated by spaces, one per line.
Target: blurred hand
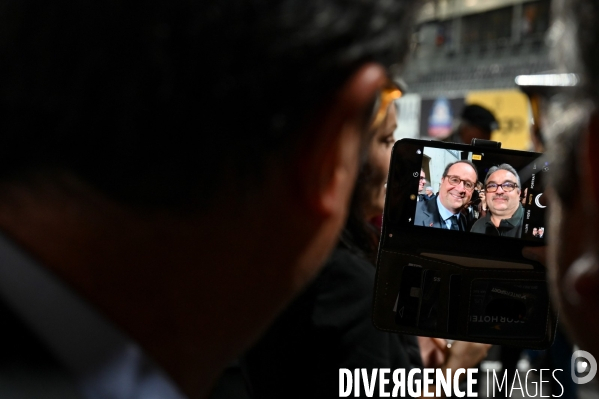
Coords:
pixel 465 354
pixel 433 351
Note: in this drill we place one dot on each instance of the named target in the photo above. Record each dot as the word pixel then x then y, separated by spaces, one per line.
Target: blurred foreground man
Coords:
pixel 574 219
pixel 146 149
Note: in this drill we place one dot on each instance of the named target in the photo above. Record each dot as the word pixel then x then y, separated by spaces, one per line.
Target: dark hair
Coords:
pixel 506 167
pixel 456 162
pixel 575 39
pixel 481 117
pixel 120 92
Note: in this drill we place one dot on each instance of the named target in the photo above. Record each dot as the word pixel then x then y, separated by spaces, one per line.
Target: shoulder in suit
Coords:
pixel 427 214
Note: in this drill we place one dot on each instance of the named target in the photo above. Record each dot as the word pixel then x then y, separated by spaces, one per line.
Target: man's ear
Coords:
pixel 329 161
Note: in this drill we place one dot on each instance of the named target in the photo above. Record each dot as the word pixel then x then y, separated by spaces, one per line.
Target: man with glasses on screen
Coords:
pixel 505 216
pixel 445 211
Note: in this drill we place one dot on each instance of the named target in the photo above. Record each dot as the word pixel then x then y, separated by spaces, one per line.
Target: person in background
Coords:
pixel 330 325
pixel 473 210
pixel 481 205
pixel 137 254
pixel 429 193
pixel 477 122
pixel 421 184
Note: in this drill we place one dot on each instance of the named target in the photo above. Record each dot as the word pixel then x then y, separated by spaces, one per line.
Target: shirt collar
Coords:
pixel 516 218
pixel 103 360
pixel 444 212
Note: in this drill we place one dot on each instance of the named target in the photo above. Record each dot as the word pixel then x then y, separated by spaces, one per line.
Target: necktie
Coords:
pixel 454 223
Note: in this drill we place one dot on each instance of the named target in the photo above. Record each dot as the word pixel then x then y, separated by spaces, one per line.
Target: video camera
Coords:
pixel 448 268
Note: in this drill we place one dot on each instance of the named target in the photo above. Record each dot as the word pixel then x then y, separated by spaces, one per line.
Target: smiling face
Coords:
pixel 454 198
pixel 503 204
pixel 422 181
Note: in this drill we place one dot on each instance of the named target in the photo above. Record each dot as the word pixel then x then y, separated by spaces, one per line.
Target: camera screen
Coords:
pixel 480 192
pixel 450 261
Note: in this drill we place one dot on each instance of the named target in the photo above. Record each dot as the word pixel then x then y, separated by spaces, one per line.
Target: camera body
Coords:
pixel 447 268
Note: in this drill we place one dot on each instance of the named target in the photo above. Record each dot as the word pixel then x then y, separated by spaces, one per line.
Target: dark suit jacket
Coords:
pixel 427 214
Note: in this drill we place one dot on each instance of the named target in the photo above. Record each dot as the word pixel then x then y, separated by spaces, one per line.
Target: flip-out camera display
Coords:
pixel 480 192
pixel 450 261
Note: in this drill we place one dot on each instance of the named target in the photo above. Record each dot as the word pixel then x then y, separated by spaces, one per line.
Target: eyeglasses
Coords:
pixel 390 92
pixel 455 181
pixel 507 187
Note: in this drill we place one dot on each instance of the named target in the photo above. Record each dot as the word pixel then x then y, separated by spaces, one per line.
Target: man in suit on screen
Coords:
pixel 445 210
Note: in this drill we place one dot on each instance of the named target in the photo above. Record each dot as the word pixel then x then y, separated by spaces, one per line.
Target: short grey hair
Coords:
pixel 506 167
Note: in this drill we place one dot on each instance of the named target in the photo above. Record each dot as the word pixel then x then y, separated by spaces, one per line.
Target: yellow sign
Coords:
pixel 511 109
pixel 476 157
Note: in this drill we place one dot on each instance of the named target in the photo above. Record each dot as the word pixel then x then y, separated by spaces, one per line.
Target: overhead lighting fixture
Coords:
pixel 556 79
